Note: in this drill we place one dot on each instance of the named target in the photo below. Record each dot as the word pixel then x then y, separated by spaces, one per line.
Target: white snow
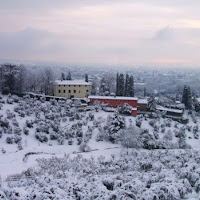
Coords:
pixel 72 82
pixel 13 161
pixel 142 101
pixel 113 98
pixel 158 107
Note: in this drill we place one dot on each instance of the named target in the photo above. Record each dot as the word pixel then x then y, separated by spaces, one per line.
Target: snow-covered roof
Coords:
pixel 113 98
pixel 72 82
pixel 158 107
pixel 142 101
pixel 134 109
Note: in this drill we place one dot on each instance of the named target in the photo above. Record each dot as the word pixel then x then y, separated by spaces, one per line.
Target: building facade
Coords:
pixel 71 89
pixel 116 101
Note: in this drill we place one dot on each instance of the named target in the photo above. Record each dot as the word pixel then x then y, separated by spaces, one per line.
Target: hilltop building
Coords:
pixel 71 88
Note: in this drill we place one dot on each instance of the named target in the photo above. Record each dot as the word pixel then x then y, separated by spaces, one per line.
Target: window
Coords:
pixel 59 91
pixel 85 85
pixel 79 91
pixel 69 85
pixel 63 91
pixel 74 86
pixel 59 85
pixel 79 86
pixel 74 91
pixel 87 90
pixel 69 91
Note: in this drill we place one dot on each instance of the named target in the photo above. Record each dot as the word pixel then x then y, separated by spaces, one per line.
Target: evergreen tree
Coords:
pixel 152 103
pixel 93 89
pixel 121 85
pixel 117 85
pixel 189 99
pixel 86 78
pixel 69 77
pixel 131 87
pixel 127 85
pixel 104 90
pixel 186 98
pixel 62 76
pixel 9 78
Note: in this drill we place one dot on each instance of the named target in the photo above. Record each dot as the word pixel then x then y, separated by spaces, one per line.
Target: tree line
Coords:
pixel 17 79
pixel 125 86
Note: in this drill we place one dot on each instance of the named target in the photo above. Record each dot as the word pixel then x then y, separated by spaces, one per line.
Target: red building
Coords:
pixel 116 101
pixel 134 112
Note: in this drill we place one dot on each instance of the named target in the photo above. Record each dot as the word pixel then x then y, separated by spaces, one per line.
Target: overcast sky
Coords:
pixel 101 31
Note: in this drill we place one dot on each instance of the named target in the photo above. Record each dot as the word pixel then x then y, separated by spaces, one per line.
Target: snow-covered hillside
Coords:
pixel 92 154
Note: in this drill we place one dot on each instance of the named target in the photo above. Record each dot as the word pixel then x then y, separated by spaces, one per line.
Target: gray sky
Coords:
pixel 107 32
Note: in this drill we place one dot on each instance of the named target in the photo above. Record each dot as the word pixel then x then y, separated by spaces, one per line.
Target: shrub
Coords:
pixel 84 148
pixel 9 140
pixel 41 137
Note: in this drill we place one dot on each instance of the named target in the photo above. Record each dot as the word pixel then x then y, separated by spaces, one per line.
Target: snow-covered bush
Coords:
pixel 168 122
pixel 152 122
pixel 84 148
pixel 10 140
pixel 4 123
pixel 131 137
pixel 17 139
pixel 180 133
pixel 100 136
pixel 29 124
pixel 125 109
pixel 70 141
pixel 91 116
pixel 19 146
pixel 115 122
pixel 17 131
pixel 195 129
pixel 53 135
pixel 10 115
pixel 168 136
pixel 25 131
pixel 15 123
pixel 79 140
pixel 182 144
pixel 61 139
pixel 138 122
pixel 41 136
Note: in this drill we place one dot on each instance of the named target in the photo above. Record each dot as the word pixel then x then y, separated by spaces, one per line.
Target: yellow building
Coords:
pixel 71 88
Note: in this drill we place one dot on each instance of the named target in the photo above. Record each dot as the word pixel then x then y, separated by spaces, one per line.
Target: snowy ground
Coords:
pixel 15 161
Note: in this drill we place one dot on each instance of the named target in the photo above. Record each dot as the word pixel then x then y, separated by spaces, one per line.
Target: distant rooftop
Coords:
pixel 142 101
pixel 158 107
pixel 112 97
pixel 72 82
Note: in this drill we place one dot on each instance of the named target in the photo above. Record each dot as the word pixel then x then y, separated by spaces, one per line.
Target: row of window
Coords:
pixel 72 85
pixel 69 91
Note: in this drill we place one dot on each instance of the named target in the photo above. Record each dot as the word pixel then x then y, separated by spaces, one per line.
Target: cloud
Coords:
pixel 100 31
pixel 164 34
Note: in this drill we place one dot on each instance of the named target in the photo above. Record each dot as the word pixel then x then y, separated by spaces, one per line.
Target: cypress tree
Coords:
pixel 186 98
pixel 127 83
pixel 93 89
pixel 62 76
pixel 189 98
pixel 69 77
pixel 117 85
pixel 121 85
pixel 131 86
pixel 86 78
